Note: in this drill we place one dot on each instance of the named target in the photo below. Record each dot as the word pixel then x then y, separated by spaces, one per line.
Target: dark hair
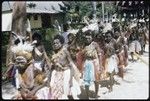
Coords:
pixel 60 37
pixel 70 34
pixel 88 32
pixel 65 27
pixel 37 35
pixel 17 41
pixel 109 32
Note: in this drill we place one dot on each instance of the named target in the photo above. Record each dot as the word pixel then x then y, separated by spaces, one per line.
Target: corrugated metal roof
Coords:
pixel 45 7
pixel 41 6
pixel 40 11
pixel 6 6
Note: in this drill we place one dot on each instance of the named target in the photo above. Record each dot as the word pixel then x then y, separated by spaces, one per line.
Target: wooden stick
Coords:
pixel 140 58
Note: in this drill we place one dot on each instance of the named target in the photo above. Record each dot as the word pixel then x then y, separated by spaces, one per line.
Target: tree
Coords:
pixel 86 8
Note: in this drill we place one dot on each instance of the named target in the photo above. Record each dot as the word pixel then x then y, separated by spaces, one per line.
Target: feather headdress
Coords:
pixel 123 19
pixel 73 31
pixel 133 25
pixel 22 48
pixel 108 27
pixel 92 27
pixel 141 20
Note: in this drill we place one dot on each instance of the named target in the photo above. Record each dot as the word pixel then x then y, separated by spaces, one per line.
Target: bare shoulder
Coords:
pixel 65 50
pixel 95 43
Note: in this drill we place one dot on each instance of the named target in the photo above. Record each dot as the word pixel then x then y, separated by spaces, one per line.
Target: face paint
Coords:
pixel 21 63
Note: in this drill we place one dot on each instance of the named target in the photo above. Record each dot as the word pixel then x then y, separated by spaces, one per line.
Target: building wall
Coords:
pixel 45 20
pixel 35 23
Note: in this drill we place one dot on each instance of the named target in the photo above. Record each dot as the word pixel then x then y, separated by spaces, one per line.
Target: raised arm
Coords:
pixel 76 71
pixel 99 52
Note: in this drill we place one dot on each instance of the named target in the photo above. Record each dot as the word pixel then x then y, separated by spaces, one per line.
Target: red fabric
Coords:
pixel 123 56
pixel 80 60
pixel 11 72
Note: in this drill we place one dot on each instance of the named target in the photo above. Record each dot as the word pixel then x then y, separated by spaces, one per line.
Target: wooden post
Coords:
pixel 103 10
pixel 18 25
pixel 19 18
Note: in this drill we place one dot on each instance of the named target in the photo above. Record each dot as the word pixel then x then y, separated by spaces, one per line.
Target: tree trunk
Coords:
pixel 19 18
pixel 18 26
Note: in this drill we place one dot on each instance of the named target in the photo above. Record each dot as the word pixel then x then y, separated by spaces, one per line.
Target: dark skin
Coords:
pixel 110 49
pixel 41 49
pixel 119 47
pixel 73 48
pixel 133 36
pixel 65 58
pixel 24 91
pixel 89 40
pixel 61 59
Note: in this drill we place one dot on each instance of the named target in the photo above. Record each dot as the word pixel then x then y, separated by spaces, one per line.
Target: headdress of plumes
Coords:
pixel 28 26
pixel 147 19
pixel 133 25
pixel 124 14
pixel 73 31
pixel 18 39
pixel 135 19
pixel 115 20
pixel 92 27
pixel 85 29
pixel 108 27
pixel 22 48
pixel 86 20
pixel 88 32
pixel 123 19
pixel 115 15
pixel 141 20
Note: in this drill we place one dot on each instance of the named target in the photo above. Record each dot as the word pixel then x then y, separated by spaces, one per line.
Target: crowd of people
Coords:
pixel 80 58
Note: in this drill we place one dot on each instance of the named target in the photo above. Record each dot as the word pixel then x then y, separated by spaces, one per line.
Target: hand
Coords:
pixel 101 69
pixel 59 65
pixel 30 94
pixel 4 77
pixel 17 97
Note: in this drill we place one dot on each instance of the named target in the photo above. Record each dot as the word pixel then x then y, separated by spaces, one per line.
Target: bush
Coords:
pixel 48 38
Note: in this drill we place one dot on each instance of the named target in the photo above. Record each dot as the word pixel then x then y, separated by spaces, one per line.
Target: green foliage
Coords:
pixel 5 42
pixel 86 8
pixel 4 68
pixel 50 32
pixel 5 38
pixel 48 38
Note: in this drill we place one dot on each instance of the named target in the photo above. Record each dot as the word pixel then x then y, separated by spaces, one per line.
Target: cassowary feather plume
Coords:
pixel 108 27
pixel 20 44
